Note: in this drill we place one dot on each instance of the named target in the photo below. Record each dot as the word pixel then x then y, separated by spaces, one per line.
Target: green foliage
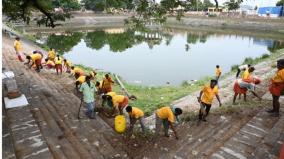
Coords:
pixel 264 56
pixel 96 39
pixel 280 3
pixel 64 43
pixel 248 60
pixel 233 4
pixel 66 4
pixel 21 10
pixel 97 5
pixel 108 5
pixel 120 42
pixel 276 46
pixel 234 67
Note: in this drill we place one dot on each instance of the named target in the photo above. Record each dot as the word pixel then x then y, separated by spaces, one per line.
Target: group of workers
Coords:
pixel 166 115
pixel 248 82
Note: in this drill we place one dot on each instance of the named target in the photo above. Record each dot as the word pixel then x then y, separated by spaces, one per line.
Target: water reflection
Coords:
pixel 155 57
pixel 64 42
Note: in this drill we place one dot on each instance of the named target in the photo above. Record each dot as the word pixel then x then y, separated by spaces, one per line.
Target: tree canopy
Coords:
pixel 21 10
pixel 280 3
pixel 233 4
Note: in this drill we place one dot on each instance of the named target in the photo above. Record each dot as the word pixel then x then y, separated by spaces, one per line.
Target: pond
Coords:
pixel 156 58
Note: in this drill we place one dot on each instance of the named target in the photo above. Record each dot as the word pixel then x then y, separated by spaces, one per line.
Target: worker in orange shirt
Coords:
pixel 167 116
pixel 134 115
pixel 18 48
pixel 277 87
pixel 206 98
pixel 107 84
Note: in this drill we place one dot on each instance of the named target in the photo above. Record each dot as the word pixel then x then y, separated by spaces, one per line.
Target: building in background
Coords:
pixel 270 11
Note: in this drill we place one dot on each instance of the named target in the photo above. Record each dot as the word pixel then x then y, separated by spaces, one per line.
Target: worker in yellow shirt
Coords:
pixel 49 64
pixel 51 54
pixel 76 71
pixel 80 80
pixel 18 48
pixel 58 64
pixel 134 115
pixel 34 59
pixel 276 88
pixel 67 66
pixel 117 102
pixel 206 97
pixel 107 83
pixel 167 116
pixel 218 72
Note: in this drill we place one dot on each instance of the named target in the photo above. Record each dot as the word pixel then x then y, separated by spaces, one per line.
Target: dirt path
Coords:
pixel 49 128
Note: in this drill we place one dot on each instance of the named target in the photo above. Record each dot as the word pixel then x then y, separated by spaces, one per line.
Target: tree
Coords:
pixel 233 4
pixel 94 5
pixel 280 3
pixel 206 5
pixel 66 4
pixel 21 10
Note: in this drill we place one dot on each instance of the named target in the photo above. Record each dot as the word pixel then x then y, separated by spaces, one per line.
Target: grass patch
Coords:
pixel 151 98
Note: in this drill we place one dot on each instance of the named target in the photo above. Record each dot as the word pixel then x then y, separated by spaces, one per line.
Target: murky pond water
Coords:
pixel 158 57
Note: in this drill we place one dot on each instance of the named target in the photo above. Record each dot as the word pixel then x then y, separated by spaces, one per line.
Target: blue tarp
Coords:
pixel 271 10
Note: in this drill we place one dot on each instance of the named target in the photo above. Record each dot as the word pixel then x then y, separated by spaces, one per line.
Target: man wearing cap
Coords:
pixel 166 116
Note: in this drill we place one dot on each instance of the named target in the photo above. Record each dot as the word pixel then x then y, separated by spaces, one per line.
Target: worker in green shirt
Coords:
pixel 88 89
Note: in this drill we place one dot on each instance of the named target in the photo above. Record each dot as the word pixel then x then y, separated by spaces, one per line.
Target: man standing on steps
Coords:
pixel 206 97
pixel 276 87
pixel 58 64
pixel 166 116
pixel 88 89
pixel 18 48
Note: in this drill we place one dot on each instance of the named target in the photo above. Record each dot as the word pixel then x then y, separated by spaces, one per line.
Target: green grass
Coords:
pixel 253 61
pixel 151 98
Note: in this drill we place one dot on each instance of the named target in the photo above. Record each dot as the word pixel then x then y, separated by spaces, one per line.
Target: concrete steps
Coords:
pixel 51 119
pixel 261 137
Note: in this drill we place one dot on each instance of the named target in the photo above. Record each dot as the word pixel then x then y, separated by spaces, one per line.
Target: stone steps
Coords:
pixel 53 110
pixel 251 140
